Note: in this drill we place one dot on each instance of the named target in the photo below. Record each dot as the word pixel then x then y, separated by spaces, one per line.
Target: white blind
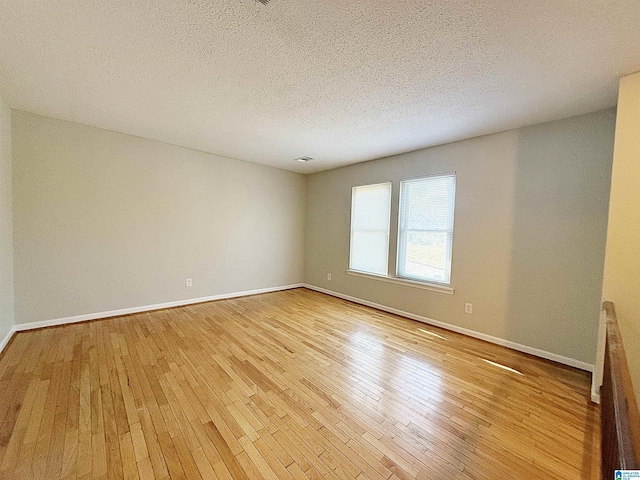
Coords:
pixel 370 215
pixel 425 228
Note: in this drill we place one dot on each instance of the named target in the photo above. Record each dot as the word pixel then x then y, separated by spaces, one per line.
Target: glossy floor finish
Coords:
pixel 294 384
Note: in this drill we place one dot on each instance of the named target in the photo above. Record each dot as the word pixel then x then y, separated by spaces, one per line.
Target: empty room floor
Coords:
pixel 293 384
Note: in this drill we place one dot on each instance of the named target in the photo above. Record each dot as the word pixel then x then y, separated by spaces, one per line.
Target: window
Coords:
pixel 370 214
pixel 425 228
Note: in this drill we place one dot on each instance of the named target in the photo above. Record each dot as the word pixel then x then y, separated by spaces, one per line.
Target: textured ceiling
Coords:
pixel 340 80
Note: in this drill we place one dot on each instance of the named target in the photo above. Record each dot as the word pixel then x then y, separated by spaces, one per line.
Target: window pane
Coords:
pixel 371 207
pixel 429 203
pixel 425 234
pixel 426 256
pixel 370 215
pixel 369 252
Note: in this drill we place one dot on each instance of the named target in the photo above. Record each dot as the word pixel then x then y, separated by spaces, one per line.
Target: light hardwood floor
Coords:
pixel 294 384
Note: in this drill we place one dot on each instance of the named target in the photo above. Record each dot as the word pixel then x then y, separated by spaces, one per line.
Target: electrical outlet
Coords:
pixel 188 282
pixel 328 276
pixel 468 308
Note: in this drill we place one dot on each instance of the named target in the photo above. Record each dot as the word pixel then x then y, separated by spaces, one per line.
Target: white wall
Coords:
pixel 106 221
pixel 529 240
pixel 6 223
pixel 622 267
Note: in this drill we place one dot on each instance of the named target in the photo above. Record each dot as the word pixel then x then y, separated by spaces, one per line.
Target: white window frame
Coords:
pixel 401 245
pixel 388 231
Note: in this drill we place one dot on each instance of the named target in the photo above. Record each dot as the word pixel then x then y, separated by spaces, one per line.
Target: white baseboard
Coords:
pixel 465 331
pixel 146 308
pixel 7 337
pixel 595 396
pixel 179 303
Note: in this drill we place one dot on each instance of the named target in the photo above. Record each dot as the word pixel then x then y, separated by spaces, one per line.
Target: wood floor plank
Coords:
pixel 293 384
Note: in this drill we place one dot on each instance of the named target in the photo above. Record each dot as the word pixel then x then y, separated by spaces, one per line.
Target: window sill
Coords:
pixel 432 287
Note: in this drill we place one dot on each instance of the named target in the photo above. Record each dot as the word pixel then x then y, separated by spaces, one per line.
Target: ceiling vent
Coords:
pixel 263 2
pixel 303 159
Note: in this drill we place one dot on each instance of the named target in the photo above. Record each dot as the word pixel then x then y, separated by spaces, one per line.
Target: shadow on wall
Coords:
pixel 559 235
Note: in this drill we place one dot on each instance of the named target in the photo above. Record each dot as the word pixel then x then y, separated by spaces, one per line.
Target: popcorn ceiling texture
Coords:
pixel 339 80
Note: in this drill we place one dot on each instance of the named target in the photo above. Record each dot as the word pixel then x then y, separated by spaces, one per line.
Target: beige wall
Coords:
pixel 529 240
pixel 6 223
pixel 106 221
pixel 622 267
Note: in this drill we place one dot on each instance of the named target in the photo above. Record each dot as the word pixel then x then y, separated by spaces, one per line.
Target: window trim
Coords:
pixel 449 265
pixel 390 184
pixel 431 286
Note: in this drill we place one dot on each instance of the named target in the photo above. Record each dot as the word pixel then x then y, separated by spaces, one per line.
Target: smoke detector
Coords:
pixel 303 159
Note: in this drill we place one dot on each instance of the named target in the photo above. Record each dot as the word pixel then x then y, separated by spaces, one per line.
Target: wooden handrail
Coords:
pixel 620 420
